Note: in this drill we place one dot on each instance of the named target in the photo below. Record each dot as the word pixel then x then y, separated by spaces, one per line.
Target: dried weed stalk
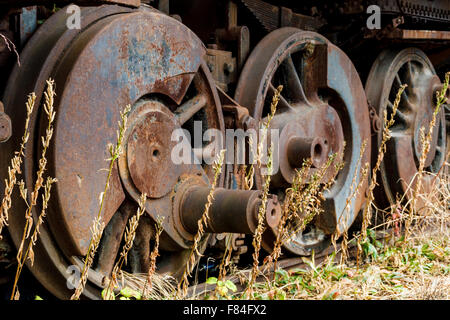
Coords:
pixel 257 237
pixel 386 135
pixel 130 234
pixel 97 228
pixel 11 47
pixel 202 224
pixel 355 189
pixel 153 255
pixel 49 110
pixel 426 143
pixel 15 168
pixel 29 253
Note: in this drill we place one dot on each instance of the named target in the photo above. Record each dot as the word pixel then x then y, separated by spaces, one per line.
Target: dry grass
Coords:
pixel 153 255
pixel 11 47
pixel 31 202
pixel 257 237
pixel 16 164
pixel 367 211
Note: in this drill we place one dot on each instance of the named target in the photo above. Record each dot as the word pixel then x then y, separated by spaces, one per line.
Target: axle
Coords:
pixel 231 211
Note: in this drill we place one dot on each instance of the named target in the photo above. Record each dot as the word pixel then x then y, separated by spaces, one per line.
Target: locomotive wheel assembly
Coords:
pixel 398 170
pixel 177 72
pixel 322 105
pixel 152 62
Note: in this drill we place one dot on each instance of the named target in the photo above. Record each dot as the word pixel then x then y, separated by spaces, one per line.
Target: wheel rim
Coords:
pixel 391 69
pixel 322 99
pixel 112 44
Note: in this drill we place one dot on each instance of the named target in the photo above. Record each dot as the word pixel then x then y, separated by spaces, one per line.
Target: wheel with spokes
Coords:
pixel 322 107
pixel 397 173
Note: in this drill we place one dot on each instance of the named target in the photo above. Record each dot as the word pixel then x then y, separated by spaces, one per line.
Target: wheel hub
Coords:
pixel 149 148
pixel 312 132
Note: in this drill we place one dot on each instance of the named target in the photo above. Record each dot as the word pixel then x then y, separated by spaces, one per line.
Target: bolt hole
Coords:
pixel 317 151
pixel 273 212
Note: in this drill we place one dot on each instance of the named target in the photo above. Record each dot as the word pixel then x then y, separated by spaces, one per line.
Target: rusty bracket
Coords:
pixel 387 30
pixel 374 118
pixel 235 115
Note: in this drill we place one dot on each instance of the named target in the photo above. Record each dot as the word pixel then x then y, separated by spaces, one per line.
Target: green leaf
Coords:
pixel 222 290
pixel 371 250
pixel 230 285
pixel 282 273
pixel 211 280
pixel 130 293
pixel 280 295
pixel 38 298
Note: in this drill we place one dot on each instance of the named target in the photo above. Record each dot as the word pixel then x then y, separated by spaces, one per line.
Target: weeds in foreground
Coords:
pixel 32 201
pixel 386 135
pixel 257 237
pixel 202 224
pixel 355 189
pixel 97 226
pixel 11 47
pixel 16 164
pixel 153 255
pixel 426 144
pixel 418 271
pixel 130 233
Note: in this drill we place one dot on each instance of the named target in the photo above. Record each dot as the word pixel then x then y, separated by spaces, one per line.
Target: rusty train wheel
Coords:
pixel 391 69
pixel 323 104
pixel 139 57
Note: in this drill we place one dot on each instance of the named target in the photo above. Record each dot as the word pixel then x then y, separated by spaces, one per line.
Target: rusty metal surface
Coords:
pixel 322 97
pixel 38 60
pixel 391 69
pixel 130 55
pixel 149 151
pixel 272 17
pixel 232 211
pixel 419 34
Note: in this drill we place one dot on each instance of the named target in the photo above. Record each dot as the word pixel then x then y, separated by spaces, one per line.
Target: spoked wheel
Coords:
pixel 322 105
pixel 119 57
pixel 401 162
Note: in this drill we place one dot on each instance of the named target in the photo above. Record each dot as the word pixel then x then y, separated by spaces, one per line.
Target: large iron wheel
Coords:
pixel 403 151
pixel 120 56
pixel 322 105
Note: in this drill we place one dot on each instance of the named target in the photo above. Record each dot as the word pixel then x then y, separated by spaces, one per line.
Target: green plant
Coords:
pixel 222 287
